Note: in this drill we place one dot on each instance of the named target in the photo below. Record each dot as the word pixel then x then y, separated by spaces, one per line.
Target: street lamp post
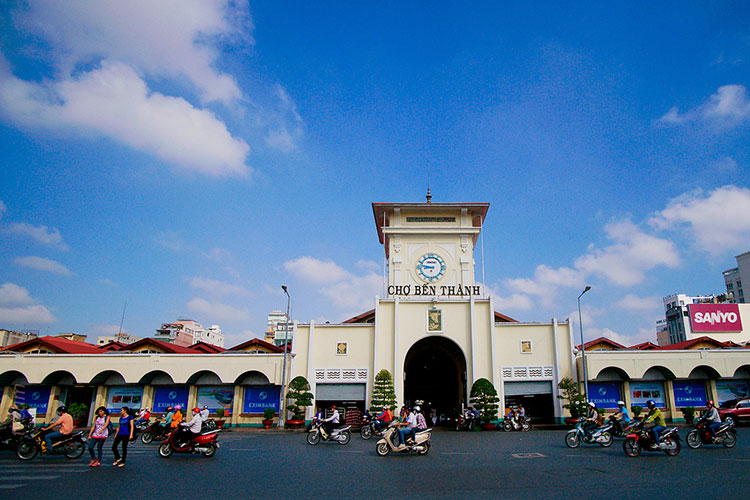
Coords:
pixel 583 349
pixel 282 399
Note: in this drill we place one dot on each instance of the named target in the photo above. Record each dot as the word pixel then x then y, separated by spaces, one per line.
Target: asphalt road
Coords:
pixel 280 465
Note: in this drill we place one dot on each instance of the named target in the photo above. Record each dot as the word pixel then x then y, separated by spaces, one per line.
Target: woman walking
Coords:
pixel 124 434
pixel 97 435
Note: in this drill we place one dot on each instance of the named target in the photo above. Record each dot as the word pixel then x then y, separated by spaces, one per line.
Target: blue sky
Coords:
pixel 188 158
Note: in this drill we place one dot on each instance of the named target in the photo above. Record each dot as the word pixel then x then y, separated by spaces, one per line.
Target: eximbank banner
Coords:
pixel 715 317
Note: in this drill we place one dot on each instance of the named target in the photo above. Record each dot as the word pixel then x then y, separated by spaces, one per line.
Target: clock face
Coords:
pixel 430 267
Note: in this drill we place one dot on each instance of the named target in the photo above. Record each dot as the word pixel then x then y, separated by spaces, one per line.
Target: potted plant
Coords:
pixel 484 399
pixel 636 411
pixel 220 421
pixel 383 393
pixel 268 414
pixel 299 393
pixel 576 402
pixel 688 414
pixel 80 414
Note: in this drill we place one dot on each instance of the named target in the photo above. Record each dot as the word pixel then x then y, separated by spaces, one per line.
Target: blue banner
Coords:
pixel 258 398
pixel 604 394
pixel 689 393
pixel 164 397
pixel 36 396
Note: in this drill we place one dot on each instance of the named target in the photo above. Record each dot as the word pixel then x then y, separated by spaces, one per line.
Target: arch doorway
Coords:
pixel 435 372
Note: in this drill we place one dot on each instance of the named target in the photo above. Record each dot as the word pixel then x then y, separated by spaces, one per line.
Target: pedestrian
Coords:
pixel 98 435
pixel 124 434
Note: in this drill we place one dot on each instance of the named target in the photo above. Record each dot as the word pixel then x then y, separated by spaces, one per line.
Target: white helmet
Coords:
pixel 621 403
pixel 592 404
pixel 417 408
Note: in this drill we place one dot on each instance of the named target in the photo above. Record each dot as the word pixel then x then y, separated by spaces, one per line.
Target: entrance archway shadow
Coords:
pixel 435 372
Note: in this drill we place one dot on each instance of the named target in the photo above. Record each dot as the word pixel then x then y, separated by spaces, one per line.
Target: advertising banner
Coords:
pixel 258 398
pixel 604 394
pixel 36 396
pixel 164 397
pixel 215 397
pixel 122 395
pixel 689 393
pixel 640 392
pixel 715 317
pixel 731 389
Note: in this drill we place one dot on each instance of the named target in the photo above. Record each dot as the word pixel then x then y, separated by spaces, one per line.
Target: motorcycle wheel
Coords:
pixel 211 451
pixel 26 450
pixel 165 450
pixel 147 437
pixel 730 439
pixel 345 437
pixel 729 419
pixel 74 449
pixel 572 440
pixel 693 440
pixel 313 438
pixel 631 447
pixel 507 426
pixel 382 449
pixel 365 432
pixel 673 446
pixel 526 427
pixel 426 449
pixel 608 440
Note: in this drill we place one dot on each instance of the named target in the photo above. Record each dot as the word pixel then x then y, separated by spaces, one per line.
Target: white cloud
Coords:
pixel 719 220
pixel 634 303
pixel 281 139
pixel 632 254
pixel 218 288
pixel 177 39
pixel 217 312
pixel 3 208
pixel 317 271
pixel 515 302
pixel 729 107
pixel 42 264
pixel 41 234
pixel 114 101
pixel 356 292
pixel 725 164
pixel 17 307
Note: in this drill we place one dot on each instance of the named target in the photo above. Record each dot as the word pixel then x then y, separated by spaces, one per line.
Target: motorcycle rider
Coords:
pixel 6 427
pixel 421 423
pixel 407 427
pixel 168 418
pixel 143 416
pixel 204 413
pixel 190 430
pixel 621 416
pixel 383 419
pixel 331 422
pixel 655 416
pixel 592 419
pixel 712 416
pixel 520 415
pixel 65 421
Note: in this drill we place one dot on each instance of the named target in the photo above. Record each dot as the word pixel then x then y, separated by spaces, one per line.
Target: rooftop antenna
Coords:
pixel 429 195
pixel 119 332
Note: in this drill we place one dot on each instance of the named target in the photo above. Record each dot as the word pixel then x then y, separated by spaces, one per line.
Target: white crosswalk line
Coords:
pixel 28 478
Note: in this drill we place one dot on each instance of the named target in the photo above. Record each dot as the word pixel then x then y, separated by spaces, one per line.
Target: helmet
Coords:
pixel 62 409
pixel 650 403
pixel 169 408
pixel 592 404
pixel 178 407
pixel 417 408
pixel 196 410
pixel 205 407
pixel 621 403
pixel 709 403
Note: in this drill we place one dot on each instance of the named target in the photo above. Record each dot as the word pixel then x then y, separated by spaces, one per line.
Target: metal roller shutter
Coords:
pixel 340 392
pixel 525 388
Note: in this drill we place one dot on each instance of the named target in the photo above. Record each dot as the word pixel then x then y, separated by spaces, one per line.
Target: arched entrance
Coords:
pixel 435 372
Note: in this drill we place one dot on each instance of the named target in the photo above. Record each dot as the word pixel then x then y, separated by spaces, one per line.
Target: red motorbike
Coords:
pixel 641 439
pixel 206 444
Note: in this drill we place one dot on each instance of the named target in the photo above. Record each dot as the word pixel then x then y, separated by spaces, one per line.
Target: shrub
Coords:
pixel 268 413
pixel 383 393
pixel 484 399
pixel 576 402
pixel 299 393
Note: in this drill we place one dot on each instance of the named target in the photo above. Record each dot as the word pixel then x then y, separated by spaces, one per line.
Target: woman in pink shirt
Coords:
pixel 97 435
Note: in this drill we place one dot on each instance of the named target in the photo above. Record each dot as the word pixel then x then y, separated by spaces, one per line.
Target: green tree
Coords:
pixel 484 398
pixel 576 402
pixel 383 393
pixel 299 393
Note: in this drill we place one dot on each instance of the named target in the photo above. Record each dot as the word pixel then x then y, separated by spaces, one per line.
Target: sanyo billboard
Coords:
pixel 715 317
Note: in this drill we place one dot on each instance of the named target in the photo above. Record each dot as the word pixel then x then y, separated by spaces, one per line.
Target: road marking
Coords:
pixel 528 455
pixel 734 459
pixel 27 478
pixel 10 486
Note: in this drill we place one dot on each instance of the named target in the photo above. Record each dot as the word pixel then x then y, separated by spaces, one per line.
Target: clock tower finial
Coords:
pixel 429 196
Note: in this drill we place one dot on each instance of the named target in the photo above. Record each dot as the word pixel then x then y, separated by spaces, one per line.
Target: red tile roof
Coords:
pixel 259 343
pixel 58 345
pixel 645 346
pixel 688 344
pixel 207 348
pixel 605 340
pixel 159 344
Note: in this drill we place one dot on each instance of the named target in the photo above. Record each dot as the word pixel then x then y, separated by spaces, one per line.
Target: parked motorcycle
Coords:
pixel 341 435
pixel 510 424
pixel 369 428
pixel 467 421
pixel 726 435
pixel 578 435
pixel 641 439
pixel 72 445
pixel 205 444
pixel 421 444
pixel 155 431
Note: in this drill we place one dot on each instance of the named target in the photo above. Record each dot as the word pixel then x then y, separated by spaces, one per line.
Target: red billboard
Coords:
pixel 715 317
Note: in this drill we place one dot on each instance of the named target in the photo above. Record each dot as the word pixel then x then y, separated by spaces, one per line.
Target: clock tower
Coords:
pixel 430 246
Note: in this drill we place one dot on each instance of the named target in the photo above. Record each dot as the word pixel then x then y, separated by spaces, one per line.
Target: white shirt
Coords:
pixel 333 418
pixel 204 414
pixel 195 423
pixel 411 421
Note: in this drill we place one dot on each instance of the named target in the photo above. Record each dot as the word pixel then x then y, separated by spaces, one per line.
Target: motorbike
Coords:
pixel 208 425
pixel 155 431
pixel 369 428
pixel 641 439
pixel 726 435
pixel 9 440
pixel 72 445
pixel 510 424
pixel 387 444
pixel 468 420
pixel 341 435
pixel 616 427
pixel 205 444
pixel 578 435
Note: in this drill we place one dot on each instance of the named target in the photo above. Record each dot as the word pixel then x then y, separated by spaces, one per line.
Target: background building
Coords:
pixel 186 332
pixel 734 277
pixel 123 338
pixel 10 337
pixel 688 318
